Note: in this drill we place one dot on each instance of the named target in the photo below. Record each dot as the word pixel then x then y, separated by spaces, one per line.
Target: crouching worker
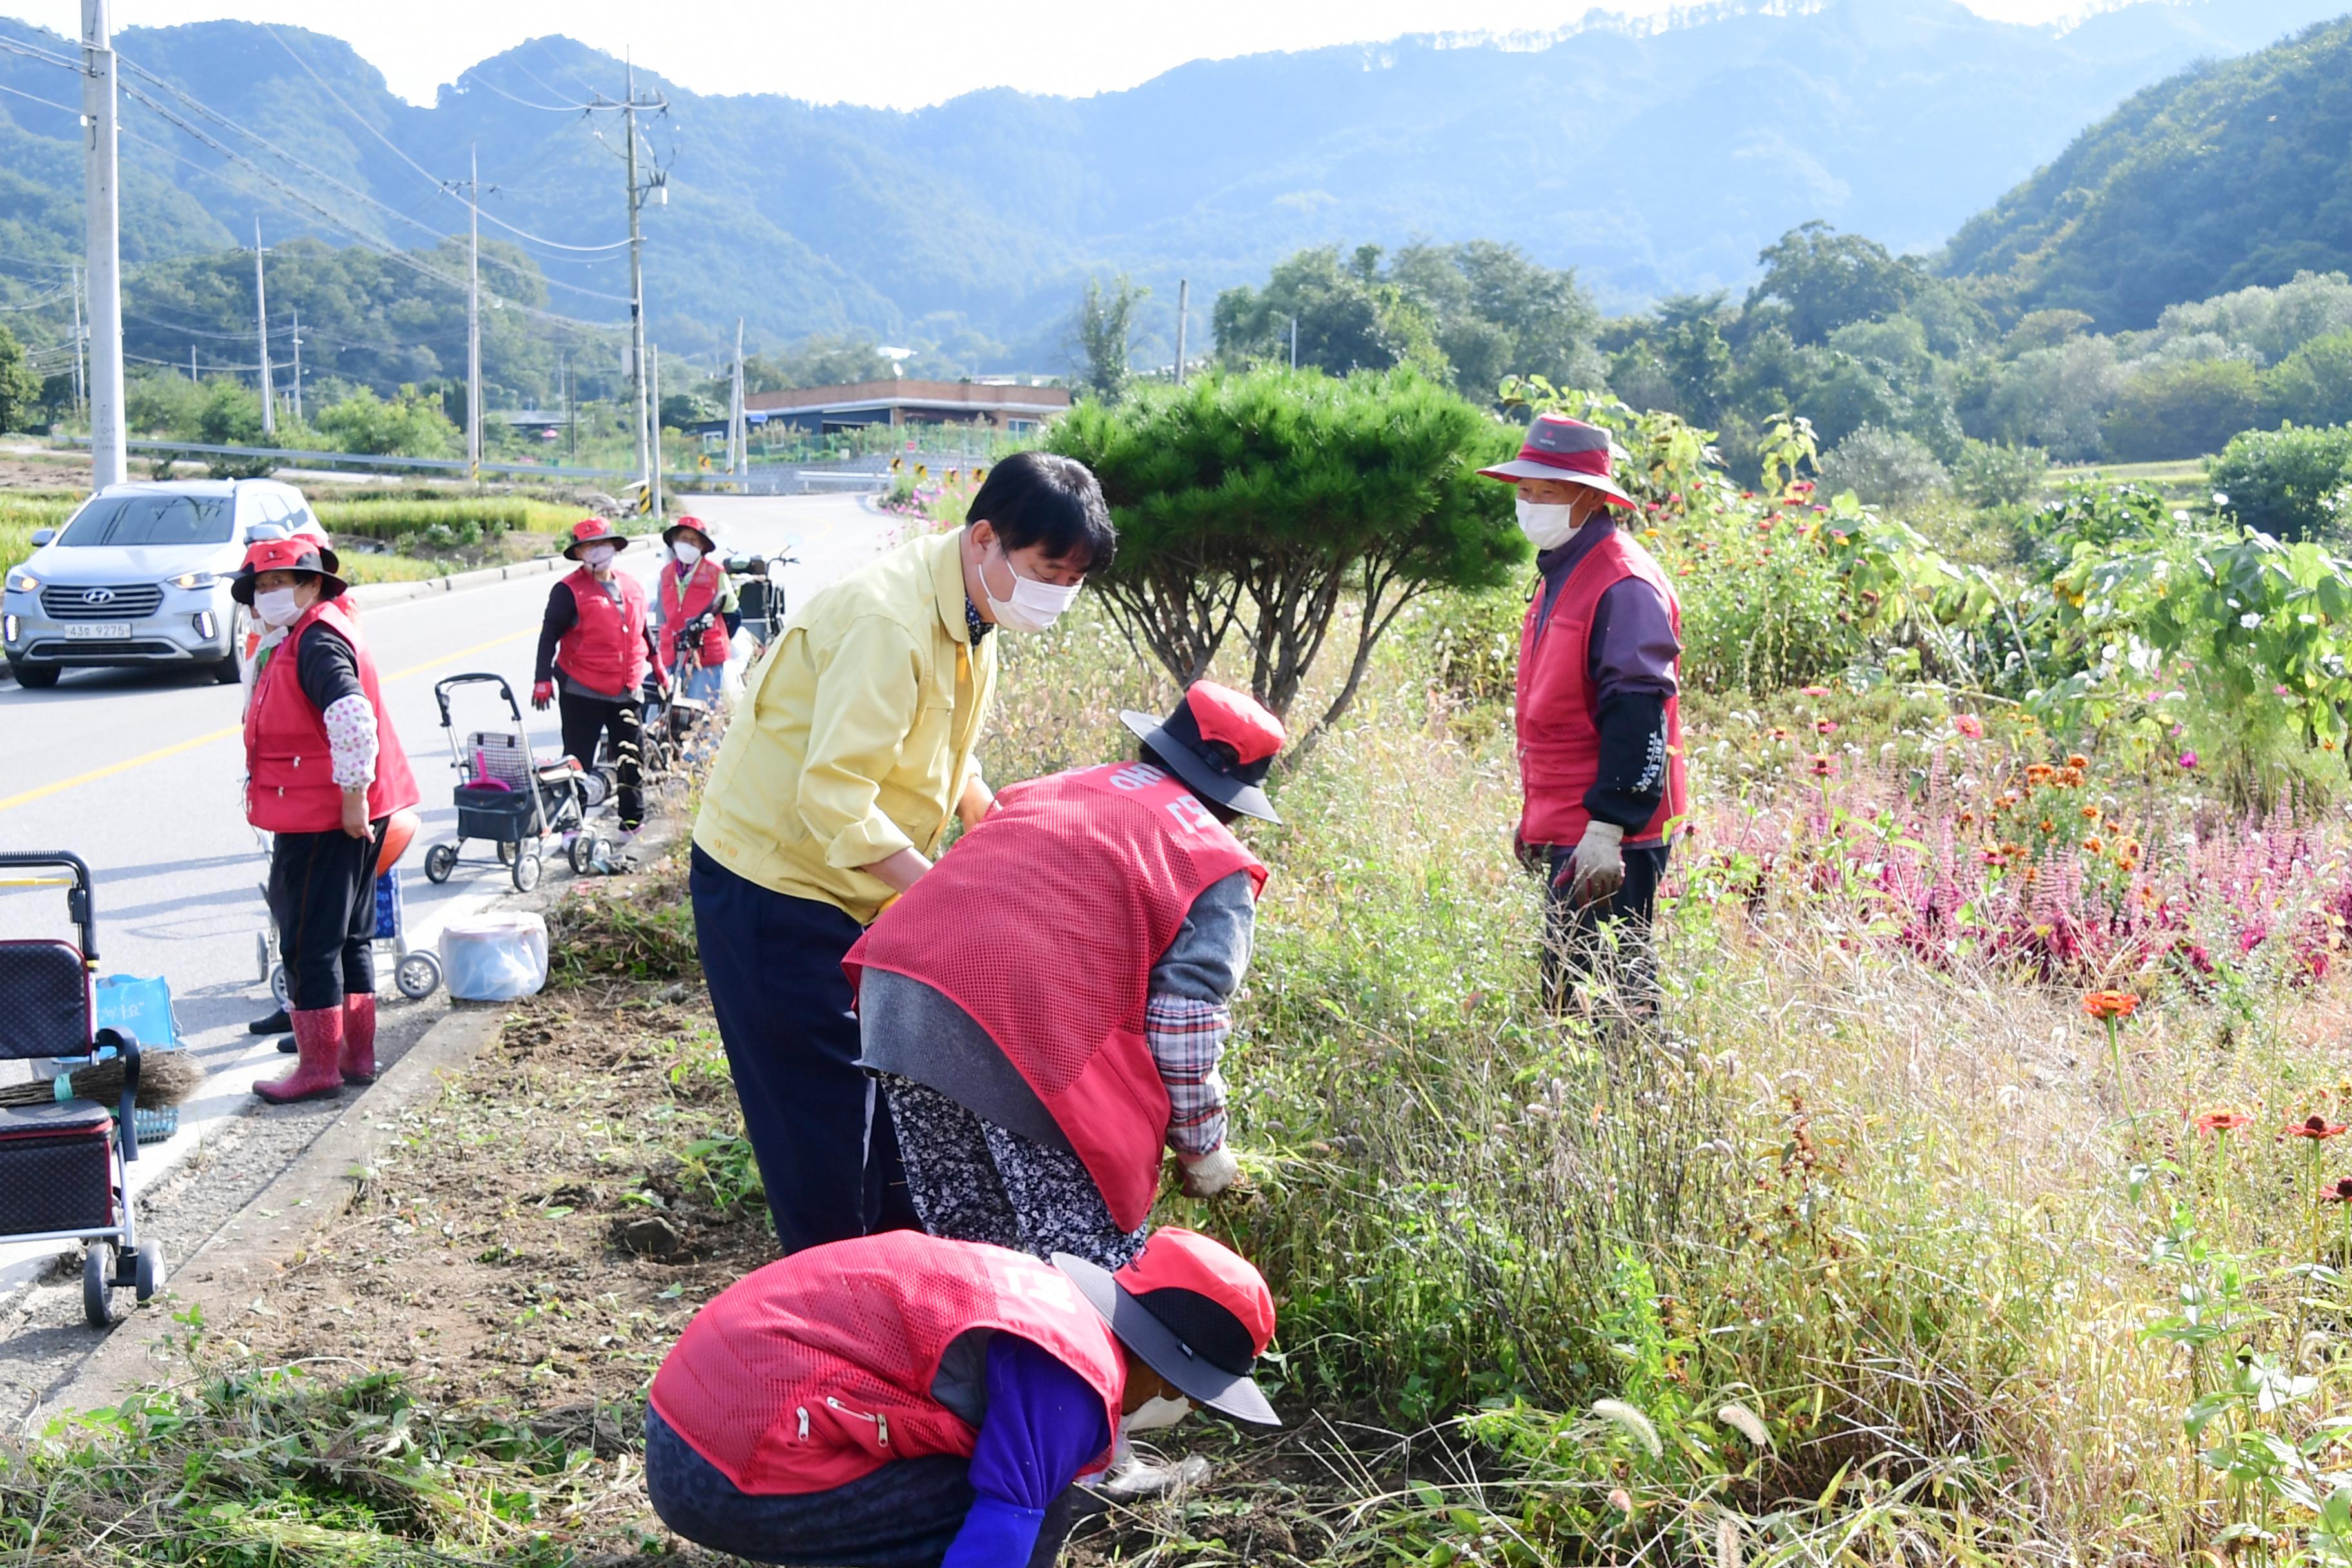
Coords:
pixel 899 1399
pixel 324 773
pixel 1048 1005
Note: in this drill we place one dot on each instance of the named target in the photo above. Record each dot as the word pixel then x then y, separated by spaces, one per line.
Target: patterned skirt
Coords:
pixel 972 1180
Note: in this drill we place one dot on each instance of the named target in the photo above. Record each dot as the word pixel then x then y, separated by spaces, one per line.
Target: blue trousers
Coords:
pixel 827 1153
pixel 904 1515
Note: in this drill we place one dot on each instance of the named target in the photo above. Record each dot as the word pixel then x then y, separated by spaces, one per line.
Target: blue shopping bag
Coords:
pixel 141 1008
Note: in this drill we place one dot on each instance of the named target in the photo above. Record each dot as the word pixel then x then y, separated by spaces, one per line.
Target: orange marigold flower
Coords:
pixel 2048 826
pixel 2094 845
pixel 2107 1004
pixel 2316 1127
pixel 2091 814
pixel 2222 1121
pixel 2078 762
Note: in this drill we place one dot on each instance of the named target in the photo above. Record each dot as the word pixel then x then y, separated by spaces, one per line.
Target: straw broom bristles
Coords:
pixel 165 1077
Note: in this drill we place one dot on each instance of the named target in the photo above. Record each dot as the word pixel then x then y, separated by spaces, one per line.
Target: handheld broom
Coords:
pixel 165 1077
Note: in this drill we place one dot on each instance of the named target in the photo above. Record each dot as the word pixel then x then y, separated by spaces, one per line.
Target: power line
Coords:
pixel 438 182
pixel 510 97
pixel 44 102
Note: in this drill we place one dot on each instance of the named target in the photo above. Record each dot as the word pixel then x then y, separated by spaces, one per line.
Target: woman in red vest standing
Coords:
pixel 324 771
pixel 1598 715
pixel 596 646
pixel 905 1401
pixel 1037 1076
pixel 694 603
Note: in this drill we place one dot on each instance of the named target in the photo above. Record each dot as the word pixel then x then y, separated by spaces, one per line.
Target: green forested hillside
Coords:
pixel 2229 176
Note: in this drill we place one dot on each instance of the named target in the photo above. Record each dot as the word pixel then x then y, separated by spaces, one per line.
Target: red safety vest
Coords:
pixel 605 648
pixel 1559 735
pixel 682 599
pixel 808 1373
pixel 1043 923
pixel 290 779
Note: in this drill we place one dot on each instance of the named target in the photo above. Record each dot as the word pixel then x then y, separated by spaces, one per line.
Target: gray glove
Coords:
pixel 1206 1176
pixel 1596 868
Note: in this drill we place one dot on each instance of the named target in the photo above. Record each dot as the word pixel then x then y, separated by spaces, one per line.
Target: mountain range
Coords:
pixel 1653 161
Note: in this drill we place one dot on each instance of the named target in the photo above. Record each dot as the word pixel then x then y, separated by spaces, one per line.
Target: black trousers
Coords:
pixel 904 1515
pixel 1608 942
pixel 323 896
pixel 586 717
pixel 827 1152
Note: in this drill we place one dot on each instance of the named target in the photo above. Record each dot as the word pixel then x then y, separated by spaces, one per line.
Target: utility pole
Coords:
pixel 474 315
pixel 649 457
pixel 101 203
pixel 261 332
pixel 1183 308
pixel 653 388
pixel 298 364
pixel 739 434
pixel 1294 342
pixel 570 418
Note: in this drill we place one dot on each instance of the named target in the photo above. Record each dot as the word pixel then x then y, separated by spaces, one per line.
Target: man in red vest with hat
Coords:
pixel 324 774
pixel 596 646
pixel 1597 712
pixel 902 1400
pixel 1036 1074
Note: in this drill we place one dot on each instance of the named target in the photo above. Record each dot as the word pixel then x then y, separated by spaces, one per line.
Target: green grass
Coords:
pixel 390 519
pixel 22 511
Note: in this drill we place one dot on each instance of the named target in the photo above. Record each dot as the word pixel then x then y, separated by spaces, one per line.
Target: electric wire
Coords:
pixel 510 97
pixel 45 102
pixel 444 187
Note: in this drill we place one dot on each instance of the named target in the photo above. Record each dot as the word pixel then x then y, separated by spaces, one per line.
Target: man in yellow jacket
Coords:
pixel 848 755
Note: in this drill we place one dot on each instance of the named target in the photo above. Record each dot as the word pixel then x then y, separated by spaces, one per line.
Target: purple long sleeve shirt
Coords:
pixel 1043 1424
pixel 1630 668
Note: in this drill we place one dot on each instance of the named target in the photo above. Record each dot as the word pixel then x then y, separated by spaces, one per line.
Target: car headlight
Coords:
pixel 193 580
pixel 22 581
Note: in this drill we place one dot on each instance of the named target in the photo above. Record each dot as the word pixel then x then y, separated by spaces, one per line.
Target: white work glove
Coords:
pixel 1206 1176
pixel 1596 868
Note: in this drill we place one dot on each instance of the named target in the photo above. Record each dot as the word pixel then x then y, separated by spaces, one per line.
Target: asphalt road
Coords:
pixel 142 775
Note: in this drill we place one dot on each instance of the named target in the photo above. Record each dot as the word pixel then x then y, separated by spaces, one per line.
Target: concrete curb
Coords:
pixel 247 1257
pixel 249 1254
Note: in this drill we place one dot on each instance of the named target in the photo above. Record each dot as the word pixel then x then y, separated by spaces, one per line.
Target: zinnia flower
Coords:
pixel 1970 725
pixel 1815 690
pixel 2222 1121
pixel 2340 1193
pixel 2316 1126
pixel 2187 760
pixel 2105 1005
pixel 1825 726
pixel 1824 765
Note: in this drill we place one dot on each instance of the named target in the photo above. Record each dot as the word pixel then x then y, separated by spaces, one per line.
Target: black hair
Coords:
pixel 1038 498
pixel 1218 809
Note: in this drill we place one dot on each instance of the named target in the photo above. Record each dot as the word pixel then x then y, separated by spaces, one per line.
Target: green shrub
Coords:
pixel 411 424
pixel 2287 482
pixel 1885 467
pixel 2313 385
pixel 1991 474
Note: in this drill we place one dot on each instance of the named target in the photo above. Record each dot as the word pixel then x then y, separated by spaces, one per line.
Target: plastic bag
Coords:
pixel 495 958
pixel 141 1008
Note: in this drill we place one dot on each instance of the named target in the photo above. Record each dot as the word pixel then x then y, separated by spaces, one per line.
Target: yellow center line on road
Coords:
pixel 42 792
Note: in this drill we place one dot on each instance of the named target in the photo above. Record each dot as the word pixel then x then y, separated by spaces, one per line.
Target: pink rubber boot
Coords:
pixel 359 1038
pixel 318 1050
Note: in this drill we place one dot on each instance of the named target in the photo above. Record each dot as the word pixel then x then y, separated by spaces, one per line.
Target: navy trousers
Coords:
pixel 904 1515
pixel 827 1153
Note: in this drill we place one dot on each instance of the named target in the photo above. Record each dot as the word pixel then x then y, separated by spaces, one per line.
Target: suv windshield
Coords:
pixel 154 519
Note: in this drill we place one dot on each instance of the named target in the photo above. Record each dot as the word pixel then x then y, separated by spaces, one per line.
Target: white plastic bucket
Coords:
pixel 495 958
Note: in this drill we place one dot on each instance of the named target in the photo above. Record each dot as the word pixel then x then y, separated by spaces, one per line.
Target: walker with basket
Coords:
pixel 63 1167
pixel 511 798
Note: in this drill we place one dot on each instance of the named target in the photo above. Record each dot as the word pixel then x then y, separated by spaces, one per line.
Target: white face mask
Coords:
pixel 1156 1414
pixel 688 554
pixel 1547 525
pixel 599 556
pixel 1033 606
pixel 276 607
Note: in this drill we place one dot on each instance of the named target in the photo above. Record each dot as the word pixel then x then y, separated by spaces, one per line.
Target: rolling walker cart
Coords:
pixel 63 1167
pixel 416 971
pixel 511 798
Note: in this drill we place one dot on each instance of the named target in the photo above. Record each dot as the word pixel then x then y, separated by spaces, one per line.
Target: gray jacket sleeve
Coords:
pixel 1211 949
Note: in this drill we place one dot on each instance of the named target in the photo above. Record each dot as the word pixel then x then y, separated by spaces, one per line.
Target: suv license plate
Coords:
pixel 99 631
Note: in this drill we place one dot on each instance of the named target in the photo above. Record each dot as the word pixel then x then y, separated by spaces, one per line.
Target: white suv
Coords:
pixel 138 575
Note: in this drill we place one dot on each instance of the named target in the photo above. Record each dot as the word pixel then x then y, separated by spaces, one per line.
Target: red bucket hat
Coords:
pixel 591 530
pixel 1195 1311
pixel 299 552
pixel 1220 743
pixel 696 526
pixel 1559 448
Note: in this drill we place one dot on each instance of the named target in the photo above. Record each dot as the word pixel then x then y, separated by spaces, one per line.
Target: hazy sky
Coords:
pixel 897 52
